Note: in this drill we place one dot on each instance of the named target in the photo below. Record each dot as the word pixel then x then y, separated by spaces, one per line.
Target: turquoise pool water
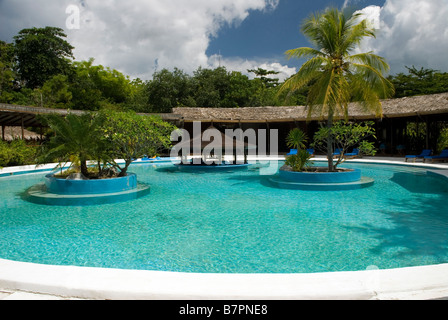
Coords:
pixel 236 222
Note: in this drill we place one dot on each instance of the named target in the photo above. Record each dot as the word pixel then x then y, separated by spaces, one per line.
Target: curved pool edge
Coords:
pixel 414 283
pixel 420 283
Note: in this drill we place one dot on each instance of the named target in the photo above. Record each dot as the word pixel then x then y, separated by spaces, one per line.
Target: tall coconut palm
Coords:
pixel 338 75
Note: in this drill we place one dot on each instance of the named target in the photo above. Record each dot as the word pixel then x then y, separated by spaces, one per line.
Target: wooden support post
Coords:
pixel 23 129
pixel 268 137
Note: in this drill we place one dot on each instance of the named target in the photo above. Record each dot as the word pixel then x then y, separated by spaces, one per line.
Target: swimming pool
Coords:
pixel 235 222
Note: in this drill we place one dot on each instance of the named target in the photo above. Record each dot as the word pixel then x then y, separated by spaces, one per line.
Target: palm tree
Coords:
pixel 296 139
pixel 75 139
pixel 335 73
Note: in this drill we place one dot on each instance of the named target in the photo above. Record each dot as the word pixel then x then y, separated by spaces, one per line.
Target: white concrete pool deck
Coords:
pixel 27 281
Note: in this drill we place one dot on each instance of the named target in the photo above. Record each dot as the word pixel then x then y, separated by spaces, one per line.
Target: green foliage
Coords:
pixel 16 153
pixel 296 139
pixel 75 139
pixel 344 136
pixel 104 137
pixel 264 76
pixel 5 154
pixel 212 86
pixel 207 88
pixel 169 90
pixel 299 162
pixel 367 148
pixel 442 141
pixel 129 136
pixel 55 93
pixel 6 70
pixel 42 53
pixel 138 99
pixel 92 86
pixel 419 82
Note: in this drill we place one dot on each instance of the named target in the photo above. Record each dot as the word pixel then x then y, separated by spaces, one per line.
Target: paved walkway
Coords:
pixel 18 295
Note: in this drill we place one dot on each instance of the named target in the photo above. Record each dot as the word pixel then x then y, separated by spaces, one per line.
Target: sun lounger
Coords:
pixel 337 153
pixel 353 154
pixel 310 151
pixel 442 157
pixel 292 152
pixel 413 158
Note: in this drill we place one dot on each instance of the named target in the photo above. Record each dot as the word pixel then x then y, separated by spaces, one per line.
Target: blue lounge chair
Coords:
pixel 310 151
pixel 337 153
pixel 425 153
pixel 442 157
pixel 292 152
pixel 353 154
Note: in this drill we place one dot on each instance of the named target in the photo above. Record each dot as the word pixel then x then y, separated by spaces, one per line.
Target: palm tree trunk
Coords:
pixel 330 150
pixel 84 169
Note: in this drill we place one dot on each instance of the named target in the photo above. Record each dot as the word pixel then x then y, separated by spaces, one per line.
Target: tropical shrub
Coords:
pixel 74 139
pixel 129 136
pixel 299 162
pixel 297 139
pixel 102 138
pixel 16 153
pixel 346 135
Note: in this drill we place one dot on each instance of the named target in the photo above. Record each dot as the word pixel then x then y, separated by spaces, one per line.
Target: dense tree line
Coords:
pixel 419 82
pixel 38 68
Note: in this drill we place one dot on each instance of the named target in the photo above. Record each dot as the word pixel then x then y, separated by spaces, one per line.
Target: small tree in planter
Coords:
pixel 103 138
pixel 74 139
pixel 346 135
pixel 129 136
pixel 297 140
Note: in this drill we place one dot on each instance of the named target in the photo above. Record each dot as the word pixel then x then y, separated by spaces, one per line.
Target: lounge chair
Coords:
pixel 310 151
pixel 353 154
pixel 413 158
pixel 337 153
pixel 442 157
pixel 292 152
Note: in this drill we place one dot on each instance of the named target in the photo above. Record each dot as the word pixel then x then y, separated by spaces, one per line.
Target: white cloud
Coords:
pixel 242 65
pixel 136 36
pixel 411 32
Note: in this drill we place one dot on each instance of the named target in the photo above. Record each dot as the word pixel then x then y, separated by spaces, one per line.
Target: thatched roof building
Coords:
pixel 429 110
pixel 15 133
pixel 393 108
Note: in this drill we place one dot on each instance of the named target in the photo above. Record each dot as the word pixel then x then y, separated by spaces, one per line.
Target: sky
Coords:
pixel 139 37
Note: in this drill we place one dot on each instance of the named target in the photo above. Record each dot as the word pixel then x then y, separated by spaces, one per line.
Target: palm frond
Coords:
pixel 309 71
pixel 303 52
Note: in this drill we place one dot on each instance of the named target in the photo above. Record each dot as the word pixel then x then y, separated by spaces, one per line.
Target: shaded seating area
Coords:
pixel 413 158
pixel 442 157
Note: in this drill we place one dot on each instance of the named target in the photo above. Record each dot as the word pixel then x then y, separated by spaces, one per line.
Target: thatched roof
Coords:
pixel 393 108
pixel 437 104
pixel 224 139
pixel 14 115
pixel 14 133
